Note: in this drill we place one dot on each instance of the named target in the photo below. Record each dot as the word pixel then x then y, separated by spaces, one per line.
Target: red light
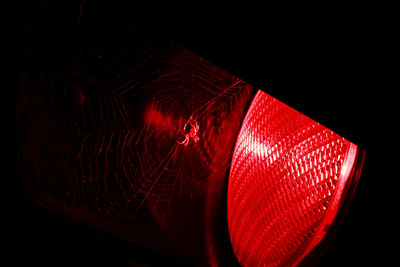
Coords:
pixel 288 179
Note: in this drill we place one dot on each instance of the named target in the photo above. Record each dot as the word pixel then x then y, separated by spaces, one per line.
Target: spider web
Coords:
pixel 99 119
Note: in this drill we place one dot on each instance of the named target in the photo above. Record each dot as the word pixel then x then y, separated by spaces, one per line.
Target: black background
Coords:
pixel 337 64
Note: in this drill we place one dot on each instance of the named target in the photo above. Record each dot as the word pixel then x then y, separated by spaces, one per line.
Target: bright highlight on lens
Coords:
pixel 288 179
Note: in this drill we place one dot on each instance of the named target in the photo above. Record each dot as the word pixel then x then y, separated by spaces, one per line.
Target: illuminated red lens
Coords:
pixel 288 177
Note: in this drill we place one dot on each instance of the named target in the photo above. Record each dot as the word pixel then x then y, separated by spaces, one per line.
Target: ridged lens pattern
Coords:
pixel 285 170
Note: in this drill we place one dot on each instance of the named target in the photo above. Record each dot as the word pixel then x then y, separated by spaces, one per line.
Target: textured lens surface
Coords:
pixel 287 175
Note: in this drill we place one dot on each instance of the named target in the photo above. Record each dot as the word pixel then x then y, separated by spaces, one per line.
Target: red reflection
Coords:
pixel 157 119
pixel 136 142
pixel 287 180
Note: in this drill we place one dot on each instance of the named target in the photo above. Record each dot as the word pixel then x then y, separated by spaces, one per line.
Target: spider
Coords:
pixel 190 130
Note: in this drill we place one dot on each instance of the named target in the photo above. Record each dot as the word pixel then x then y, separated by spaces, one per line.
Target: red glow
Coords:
pixel 118 162
pixel 288 177
pixel 158 120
